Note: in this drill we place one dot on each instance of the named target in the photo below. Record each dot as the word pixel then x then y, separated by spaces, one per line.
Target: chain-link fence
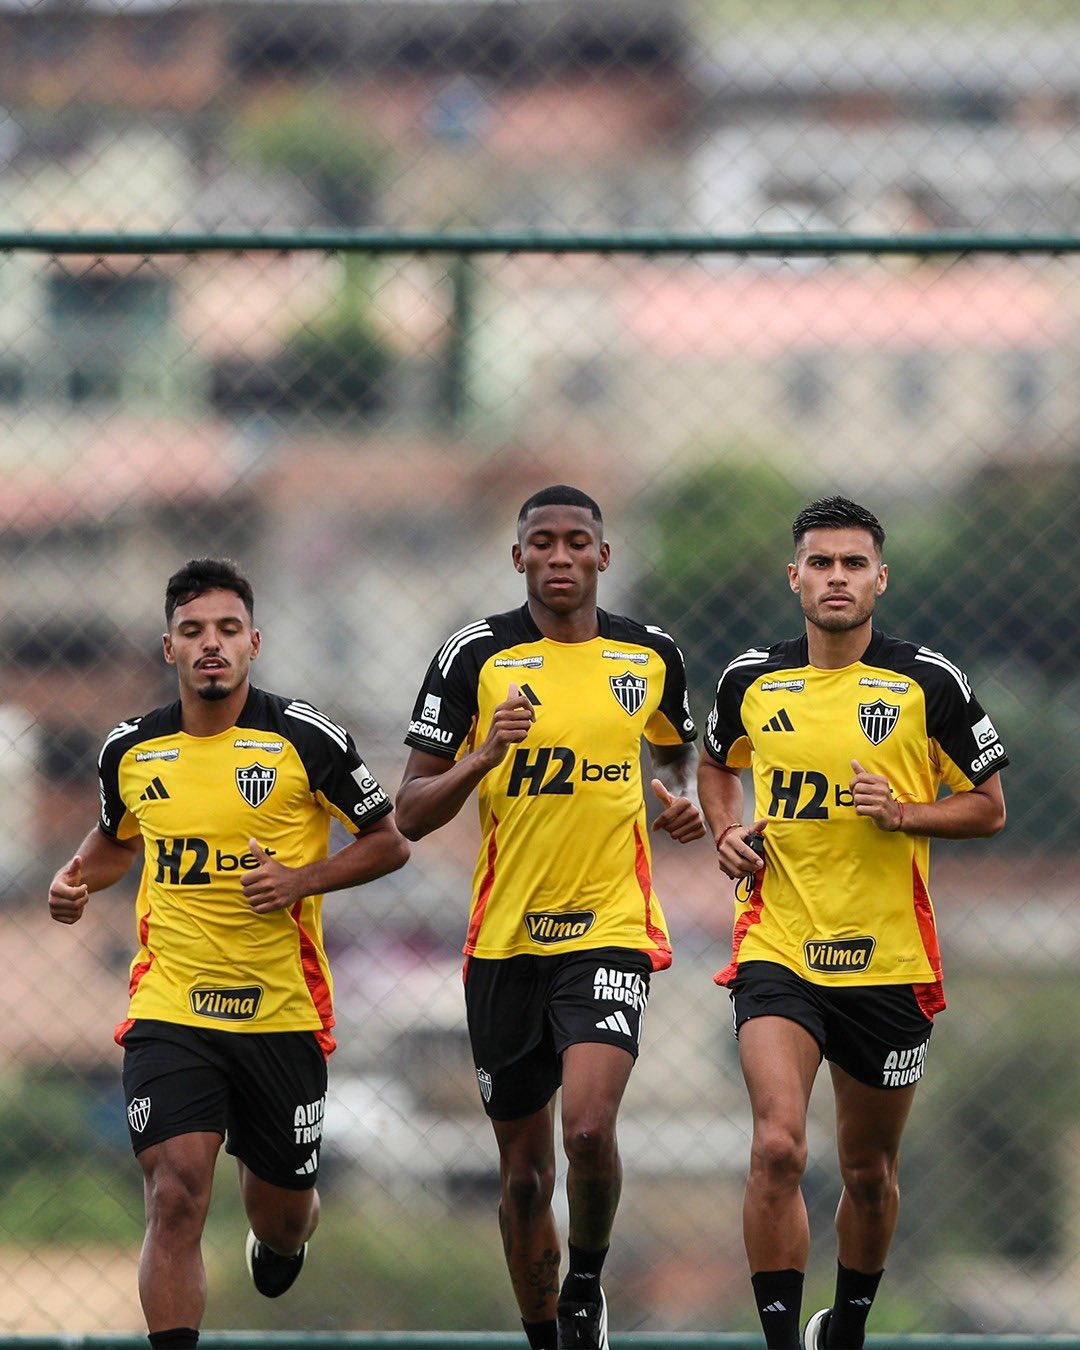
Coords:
pixel 358 427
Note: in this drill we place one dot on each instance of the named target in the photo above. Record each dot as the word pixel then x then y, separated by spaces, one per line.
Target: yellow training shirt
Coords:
pixel 840 901
pixel 279 776
pixel 564 863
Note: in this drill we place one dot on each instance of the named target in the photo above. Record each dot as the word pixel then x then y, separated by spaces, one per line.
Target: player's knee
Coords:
pixel 285 1233
pixel 284 1220
pixel 177 1199
pixel 778 1157
pixel 527 1187
pixel 588 1144
pixel 870 1180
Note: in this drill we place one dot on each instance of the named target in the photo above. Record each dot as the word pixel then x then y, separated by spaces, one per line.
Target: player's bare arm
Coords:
pixel 673 784
pixel 434 789
pixel 374 852
pixel 722 800
pixel 977 814
pixel 99 862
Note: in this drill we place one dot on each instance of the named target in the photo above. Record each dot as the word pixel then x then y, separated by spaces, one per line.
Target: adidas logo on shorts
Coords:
pixel 615 1021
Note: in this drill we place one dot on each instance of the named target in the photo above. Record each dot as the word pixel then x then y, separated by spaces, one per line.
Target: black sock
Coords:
pixel 176 1338
pixel 778 1295
pixel 851 1307
pixel 582 1282
pixel 542 1335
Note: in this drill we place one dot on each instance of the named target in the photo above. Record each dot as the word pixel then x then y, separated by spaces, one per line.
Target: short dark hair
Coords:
pixel 560 495
pixel 837 513
pixel 202 575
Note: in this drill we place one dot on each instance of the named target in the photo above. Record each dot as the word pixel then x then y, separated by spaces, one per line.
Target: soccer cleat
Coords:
pixel 816 1330
pixel 583 1326
pixel 272 1274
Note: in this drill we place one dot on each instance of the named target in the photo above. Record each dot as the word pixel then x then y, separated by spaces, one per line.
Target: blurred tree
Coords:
pixel 989 571
pixel 311 138
pixel 720 541
pixel 337 364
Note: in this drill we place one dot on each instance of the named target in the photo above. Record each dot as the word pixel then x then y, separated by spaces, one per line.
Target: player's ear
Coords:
pixel 166 643
pixel 519 561
pixel 605 556
pixel 793 577
pixel 883 579
pixel 256 643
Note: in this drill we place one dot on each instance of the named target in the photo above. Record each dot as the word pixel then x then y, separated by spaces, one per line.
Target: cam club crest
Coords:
pixel 877 719
pixel 629 689
pixel 256 782
pixel 138 1113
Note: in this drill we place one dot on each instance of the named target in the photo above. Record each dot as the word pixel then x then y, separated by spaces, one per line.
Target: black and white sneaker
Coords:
pixel 583 1326
pixel 272 1274
pixel 816 1329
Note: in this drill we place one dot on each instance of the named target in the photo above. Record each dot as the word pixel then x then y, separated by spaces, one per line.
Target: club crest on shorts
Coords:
pixel 138 1113
pixel 629 689
pixel 484 1079
pixel 256 782
pixel 877 719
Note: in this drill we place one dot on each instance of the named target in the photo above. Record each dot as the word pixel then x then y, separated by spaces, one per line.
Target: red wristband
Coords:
pixel 900 822
pixel 734 826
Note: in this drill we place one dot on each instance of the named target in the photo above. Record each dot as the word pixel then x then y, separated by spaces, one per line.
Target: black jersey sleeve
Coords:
pixel 726 737
pixel 339 779
pixel 114 819
pixel 446 707
pixel 676 722
pixel 969 747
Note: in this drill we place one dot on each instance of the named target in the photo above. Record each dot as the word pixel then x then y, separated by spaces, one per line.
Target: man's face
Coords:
pixel 838 576
pixel 560 551
pixel 211 642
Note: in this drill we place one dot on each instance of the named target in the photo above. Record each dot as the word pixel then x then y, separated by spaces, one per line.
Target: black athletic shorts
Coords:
pixel 523 1012
pixel 263 1092
pixel 876 1033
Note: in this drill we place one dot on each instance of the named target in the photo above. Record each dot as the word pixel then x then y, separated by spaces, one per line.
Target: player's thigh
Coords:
pixel 780 1026
pixel 877 1043
pixel 594 1081
pixel 175 1084
pixel 517 1066
pixel 869 1121
pixel 277 1106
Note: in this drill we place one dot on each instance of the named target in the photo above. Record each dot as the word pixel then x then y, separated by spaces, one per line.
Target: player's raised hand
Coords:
pixel 68 893
pixel 734 855
pixel 680 817
pixel 874 798
pixel 271 885
pixel 510 724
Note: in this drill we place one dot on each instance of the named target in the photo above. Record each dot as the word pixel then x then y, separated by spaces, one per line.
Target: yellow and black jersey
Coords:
pixel 279 776
pixel 564 863
pixel 840 901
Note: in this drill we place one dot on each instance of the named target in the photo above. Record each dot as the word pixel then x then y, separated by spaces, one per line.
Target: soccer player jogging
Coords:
pixel 229 794
pixel 850 734
pixel 542 711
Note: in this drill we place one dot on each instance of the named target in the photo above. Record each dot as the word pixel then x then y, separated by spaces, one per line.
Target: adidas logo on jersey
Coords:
pixel 781 722
pixel 615 1021
pixel 156 791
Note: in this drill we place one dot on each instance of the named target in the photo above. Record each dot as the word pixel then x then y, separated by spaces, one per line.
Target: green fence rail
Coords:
pixel 467 1340
pixel 483 241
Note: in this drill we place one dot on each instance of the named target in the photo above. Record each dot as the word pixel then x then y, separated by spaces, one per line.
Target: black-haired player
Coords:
pixel 542 711
pixel 850 734
pixel 228 794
